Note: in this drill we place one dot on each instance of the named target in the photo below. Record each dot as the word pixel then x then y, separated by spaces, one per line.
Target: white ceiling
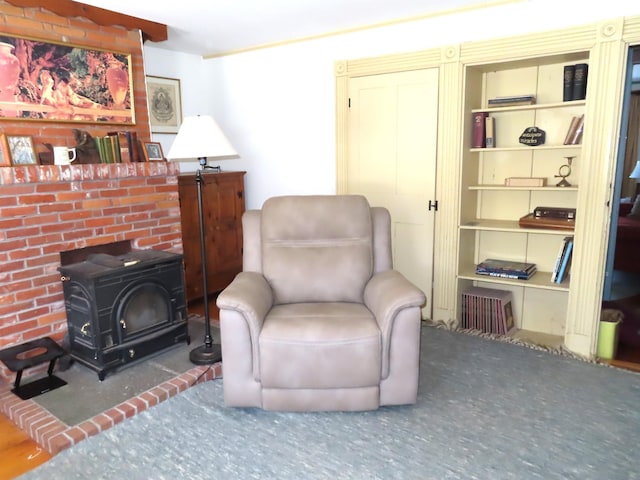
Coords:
pixel 209 27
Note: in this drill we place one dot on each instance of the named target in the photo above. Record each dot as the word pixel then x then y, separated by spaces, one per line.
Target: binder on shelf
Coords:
pixel 487 309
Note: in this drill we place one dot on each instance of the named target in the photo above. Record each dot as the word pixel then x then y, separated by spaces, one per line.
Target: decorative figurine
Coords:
pixel 563 172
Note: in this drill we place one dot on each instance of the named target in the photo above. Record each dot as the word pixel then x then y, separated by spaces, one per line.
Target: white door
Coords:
pixel 392 161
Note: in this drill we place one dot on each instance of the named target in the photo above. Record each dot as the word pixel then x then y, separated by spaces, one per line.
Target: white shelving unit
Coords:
pixel 488 219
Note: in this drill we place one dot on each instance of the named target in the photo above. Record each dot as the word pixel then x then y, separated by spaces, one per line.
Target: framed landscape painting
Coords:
pixel 165 104
pixel 41 80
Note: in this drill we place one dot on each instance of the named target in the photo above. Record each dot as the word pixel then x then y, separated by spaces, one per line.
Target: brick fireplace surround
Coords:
pixel 46 210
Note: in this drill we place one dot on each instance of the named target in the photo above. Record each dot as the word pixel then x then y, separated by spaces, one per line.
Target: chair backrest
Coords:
pixel 316 248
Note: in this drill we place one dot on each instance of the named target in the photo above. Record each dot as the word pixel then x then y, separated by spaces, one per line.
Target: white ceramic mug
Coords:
pixel 63 155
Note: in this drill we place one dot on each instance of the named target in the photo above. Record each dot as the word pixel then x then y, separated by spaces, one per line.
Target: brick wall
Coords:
pixel 39 23
pixel 45 210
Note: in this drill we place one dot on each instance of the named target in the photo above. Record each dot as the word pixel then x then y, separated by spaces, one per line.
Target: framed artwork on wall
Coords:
pixel 64 83
pixel 21 149
pixel 5 154
pixel 165 104
pixel 152 151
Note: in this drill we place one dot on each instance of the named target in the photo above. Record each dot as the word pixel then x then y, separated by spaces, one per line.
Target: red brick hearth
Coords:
pixel 46 210
pixel 55 436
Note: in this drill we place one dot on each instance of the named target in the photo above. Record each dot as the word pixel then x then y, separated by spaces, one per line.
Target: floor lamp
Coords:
pixel 200 137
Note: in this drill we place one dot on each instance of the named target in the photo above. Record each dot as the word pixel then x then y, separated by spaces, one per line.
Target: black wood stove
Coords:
pixel 125 307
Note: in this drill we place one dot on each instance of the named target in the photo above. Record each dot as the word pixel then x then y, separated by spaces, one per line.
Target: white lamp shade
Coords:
pixel 200 137
pixel 636 171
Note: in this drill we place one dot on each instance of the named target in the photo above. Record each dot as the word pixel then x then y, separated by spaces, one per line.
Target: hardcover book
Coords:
pixel 567 86
pixel 574 133
pixel 489 133
pixel 564 264
pixel 580 81
pixel 478 137
pixel 559 257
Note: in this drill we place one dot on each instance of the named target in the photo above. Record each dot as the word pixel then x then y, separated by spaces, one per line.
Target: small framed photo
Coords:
pixel 153 151
pixel 5 155
pixel 165 104
pixel 21 148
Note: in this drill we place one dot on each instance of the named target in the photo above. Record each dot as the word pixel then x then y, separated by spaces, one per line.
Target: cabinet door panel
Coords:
pixel 223 206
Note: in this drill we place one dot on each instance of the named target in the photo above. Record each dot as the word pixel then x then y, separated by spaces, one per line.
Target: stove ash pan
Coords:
pixel 123 308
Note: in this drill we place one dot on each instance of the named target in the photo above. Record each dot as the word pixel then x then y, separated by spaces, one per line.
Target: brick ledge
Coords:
pixel 54 435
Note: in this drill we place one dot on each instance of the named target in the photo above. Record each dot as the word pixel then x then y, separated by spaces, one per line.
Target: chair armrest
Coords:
pixel 387 295
pixel 250 295
pixel 389 292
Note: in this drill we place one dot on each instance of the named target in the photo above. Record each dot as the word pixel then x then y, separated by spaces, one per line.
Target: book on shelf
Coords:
pixel 561 251
pixel 478 137
pixel 525 181
pixel 489 132
pixel 565 261
pixel 567 85
pixel 506 269
pixel 579 91
pixel 512 101
pixel 487 309
pixel 124 145
pixel 574 132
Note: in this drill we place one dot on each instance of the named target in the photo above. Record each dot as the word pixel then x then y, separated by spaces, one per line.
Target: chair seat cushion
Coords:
pixel 320 345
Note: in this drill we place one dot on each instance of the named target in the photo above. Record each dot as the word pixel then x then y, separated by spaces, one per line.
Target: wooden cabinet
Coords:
pixel 223 206
pixel 490 210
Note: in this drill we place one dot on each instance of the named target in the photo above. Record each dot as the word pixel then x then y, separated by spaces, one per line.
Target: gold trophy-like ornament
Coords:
pixel 563 172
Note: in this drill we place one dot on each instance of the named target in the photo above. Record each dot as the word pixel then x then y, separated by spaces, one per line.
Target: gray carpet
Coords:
pixel 486 410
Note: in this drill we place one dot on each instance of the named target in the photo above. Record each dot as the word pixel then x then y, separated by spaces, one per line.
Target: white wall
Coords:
pixel 195 87
pixel 277 105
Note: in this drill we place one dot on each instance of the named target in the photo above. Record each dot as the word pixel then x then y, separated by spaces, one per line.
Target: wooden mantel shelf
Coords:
pixel 152 31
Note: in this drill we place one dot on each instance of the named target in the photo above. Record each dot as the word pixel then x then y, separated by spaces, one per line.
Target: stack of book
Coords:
pixel 512 101
pixel 562 260
pixel 506 269
pixel 488 310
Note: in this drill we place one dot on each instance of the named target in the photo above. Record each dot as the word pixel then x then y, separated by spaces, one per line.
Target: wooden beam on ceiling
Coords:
pixel 152 31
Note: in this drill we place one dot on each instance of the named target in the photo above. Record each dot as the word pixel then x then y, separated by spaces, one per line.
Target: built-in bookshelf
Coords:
pixel 490 211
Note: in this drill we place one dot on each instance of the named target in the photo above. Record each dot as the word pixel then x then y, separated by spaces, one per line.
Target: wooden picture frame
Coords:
pixel 21 149
pixel 153 151
pixel 5 154
pixel 165 104
pixel 65 83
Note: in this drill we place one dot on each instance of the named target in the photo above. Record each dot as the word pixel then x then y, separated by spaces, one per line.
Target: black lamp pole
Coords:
pixel 209 352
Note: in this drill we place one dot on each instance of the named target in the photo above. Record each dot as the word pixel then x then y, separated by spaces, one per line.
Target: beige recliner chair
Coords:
pixel 318 319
